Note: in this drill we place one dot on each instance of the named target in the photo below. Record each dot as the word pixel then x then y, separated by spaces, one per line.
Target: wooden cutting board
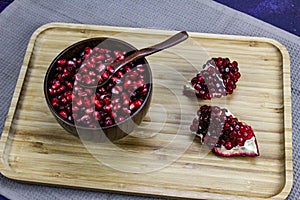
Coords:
pixel 161 158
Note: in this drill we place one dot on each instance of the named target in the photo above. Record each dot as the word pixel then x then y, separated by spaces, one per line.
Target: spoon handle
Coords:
pixel 176 39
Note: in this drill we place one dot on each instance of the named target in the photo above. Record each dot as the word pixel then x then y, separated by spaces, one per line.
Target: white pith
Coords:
pixel 249 147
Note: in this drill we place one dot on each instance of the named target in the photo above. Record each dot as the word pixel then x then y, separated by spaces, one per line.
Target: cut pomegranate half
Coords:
pixel 218 78
pixel 221 131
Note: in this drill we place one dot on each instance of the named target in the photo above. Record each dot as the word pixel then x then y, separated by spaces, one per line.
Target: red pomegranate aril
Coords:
pixel 89 111
pixel 125 102
pixel 135 105
pixel 115 80
pixel 71 63
pixel 75 108
pixel 89 65
pixel 85 118
pixel 127 84
pixel 120 119
pixel 87 102
pixel 105 75
pixel 87 79
pixel 108 122
pixel 117 107
pixel 59 69
pixel 125 69
pixel 92 73
pixel 70 118
pixel 113 114
pixel 110 69
pixel 56 85
pixel 100 67
pixel 126 111
pixel 69 85
pixel 82 94
pixel 107 108
pixel 99 78
pixel 78 77
pixel 63 100
pixel 92 60
pixel 63 114
pixel 62 62
pixel 98 104
pixel 119 74
pixel 61 89
pixel 97 115
pixel 88 50
pixel 106 100
pixel 100 57
pixel 55 102
pixel 79 62
pixel 52 92
pixel 79 102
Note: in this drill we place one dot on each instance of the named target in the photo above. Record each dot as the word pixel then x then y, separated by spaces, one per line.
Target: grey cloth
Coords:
pixel 19 20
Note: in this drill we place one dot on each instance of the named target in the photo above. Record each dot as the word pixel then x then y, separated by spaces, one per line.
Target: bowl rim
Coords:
pixel 51 66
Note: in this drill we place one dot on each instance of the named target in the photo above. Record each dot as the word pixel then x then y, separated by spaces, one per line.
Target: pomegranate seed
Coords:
pixel 110 70
pixel 61 62
pixel 97 115
pixel 79 102
pixel 98 104
pixel 87 79
pixel 89 111
pixel 71 63
pixel 108 122
pixel 51 91
pixel 61 89
pixel 88 50
pixel 100 57
pixel 117 107
pixel 63 114
pixel 120 118
pixel 107 108
pixel 55 102
pixel 56 85
pixel 119 74
pixel 135 105
pixel 105 75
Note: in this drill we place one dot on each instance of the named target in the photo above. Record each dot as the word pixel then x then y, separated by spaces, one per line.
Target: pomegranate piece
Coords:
pixel 218 78
pixel 223 133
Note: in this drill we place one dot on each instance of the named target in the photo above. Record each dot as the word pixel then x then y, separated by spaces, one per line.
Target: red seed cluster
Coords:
pixel 235 133
pixel 90 107
pixel 216 129
pixel 209 124
pixel 218 80
pixel 96 65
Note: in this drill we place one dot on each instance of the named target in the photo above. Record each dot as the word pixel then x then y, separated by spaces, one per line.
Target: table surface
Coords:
pixel 280 13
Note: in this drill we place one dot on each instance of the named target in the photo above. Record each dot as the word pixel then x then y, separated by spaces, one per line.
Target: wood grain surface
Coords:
pixel 161 158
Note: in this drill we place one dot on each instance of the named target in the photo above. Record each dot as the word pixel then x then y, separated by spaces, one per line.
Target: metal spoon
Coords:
pixel 176 39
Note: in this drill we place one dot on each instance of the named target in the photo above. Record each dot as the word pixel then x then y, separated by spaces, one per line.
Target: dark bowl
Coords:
pixel 117 130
